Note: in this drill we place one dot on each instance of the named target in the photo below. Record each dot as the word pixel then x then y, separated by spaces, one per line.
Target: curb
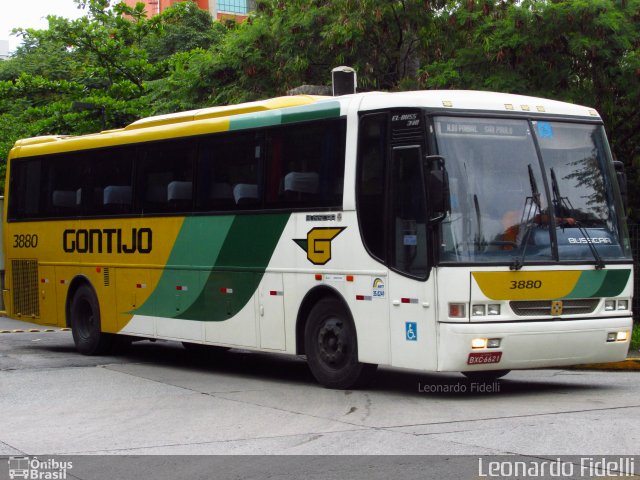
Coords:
pixel 36 330
pixel 628 364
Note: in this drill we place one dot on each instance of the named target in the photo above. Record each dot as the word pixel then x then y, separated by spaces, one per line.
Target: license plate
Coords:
pixel 480 358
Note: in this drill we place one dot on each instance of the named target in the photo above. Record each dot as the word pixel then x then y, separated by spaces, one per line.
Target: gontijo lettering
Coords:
pixel 108 240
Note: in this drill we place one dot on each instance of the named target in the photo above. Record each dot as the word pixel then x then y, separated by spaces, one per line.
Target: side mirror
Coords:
pixel 621 176
pixel 437 183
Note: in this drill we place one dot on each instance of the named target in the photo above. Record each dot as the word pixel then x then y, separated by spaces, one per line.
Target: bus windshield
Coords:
pixel 510 202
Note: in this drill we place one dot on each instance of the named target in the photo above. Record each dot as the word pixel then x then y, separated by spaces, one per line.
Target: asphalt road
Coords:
pixel 157 399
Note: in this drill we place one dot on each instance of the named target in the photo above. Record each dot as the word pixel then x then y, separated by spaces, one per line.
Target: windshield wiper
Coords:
pixel 534 199
pixel 479 240
pixel 559 203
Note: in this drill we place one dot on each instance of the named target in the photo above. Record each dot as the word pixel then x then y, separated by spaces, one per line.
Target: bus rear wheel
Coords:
pixel 85 323
pixel 331 347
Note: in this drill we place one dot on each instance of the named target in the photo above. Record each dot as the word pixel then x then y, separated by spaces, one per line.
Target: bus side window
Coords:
pixel 305 165
pixel 372 151
pixel 107 188
pixel 25 200
pixel 64 186
pixel 165 176
pixel 229 172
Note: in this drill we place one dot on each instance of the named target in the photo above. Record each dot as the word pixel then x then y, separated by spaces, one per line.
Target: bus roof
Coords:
pixel 295 108
pixel 474 100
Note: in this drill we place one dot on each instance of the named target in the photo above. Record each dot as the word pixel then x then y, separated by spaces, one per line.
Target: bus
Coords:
pixel 442 231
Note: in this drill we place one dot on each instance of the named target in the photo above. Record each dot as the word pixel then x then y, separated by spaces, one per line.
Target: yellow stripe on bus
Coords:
pixel 527 285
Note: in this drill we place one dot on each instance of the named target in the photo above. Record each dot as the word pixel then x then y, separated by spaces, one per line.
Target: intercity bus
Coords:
pixel 442 231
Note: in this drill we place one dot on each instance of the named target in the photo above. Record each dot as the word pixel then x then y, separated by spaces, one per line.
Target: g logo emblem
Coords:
pixel 318 243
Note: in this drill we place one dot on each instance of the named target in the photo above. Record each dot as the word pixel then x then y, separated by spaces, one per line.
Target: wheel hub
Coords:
pixel 331 342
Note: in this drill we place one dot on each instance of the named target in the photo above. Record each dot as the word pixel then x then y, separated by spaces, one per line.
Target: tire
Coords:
pixel 332 349
pixel 85 323
pixel 488 376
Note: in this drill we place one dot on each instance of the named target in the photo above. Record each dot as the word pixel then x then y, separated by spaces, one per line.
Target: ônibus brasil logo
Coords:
pixel 34 469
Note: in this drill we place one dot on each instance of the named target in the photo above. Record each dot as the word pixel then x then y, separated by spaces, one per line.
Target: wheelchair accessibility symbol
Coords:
pixel 411 331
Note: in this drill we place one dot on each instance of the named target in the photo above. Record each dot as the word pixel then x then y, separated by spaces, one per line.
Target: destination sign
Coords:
pixel 495 128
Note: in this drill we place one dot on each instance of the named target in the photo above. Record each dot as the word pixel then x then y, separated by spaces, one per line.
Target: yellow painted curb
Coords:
pixel 36 330
pixel 628 364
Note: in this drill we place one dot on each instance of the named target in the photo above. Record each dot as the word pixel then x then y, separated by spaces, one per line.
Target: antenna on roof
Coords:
pixel 343 80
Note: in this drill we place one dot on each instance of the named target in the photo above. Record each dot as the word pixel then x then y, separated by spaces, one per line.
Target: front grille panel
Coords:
pixel 24 275
pixel 536 308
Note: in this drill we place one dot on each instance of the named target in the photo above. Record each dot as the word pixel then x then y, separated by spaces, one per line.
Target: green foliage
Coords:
pixel 181 28
pixel 582 51
pixel 635 339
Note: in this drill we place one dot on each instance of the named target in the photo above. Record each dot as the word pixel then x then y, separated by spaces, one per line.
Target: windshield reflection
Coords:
pixel 500 206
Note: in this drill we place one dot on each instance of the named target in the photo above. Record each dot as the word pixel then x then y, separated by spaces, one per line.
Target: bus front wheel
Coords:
pixel 331 347
pixel 85 323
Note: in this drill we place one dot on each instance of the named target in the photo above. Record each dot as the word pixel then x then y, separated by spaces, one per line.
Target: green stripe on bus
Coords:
pixel 316 111
pixel 600 283
pixel 614 283
pixel 198 244
pixel 255 120
pixel 241 264
pixel 588 284
pixel 238 251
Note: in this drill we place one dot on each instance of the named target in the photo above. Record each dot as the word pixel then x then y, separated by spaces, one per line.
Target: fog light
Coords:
pixel 609 305
pixel 493 309
pixel 477 310
pixel 479 343
pixel 493 343
pixel 622 336
pixel 457 310
pixel 611 336
pixel 623 304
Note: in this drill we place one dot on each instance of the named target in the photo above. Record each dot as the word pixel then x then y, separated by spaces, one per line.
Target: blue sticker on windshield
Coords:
pixel 545 130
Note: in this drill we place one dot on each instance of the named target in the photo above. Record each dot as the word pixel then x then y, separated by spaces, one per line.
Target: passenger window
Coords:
pixel 229 172
pixel 108 187
pixel 63 185
pixel 305 165
pixel 165 177
pixel 25 199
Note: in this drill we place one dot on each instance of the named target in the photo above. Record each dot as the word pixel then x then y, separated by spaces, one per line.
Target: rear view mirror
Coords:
pixel 437 187
pixel 621 176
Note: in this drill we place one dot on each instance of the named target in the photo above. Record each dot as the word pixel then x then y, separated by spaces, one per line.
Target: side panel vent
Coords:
pixel 404 135
pixel 105 274
pixel 25 288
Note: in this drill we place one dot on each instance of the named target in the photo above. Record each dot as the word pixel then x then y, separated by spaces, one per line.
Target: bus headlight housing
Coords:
pixel 618 336
pixel 611 305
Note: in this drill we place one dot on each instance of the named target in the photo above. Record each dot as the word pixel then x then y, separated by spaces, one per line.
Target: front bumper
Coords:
pixel 533 344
